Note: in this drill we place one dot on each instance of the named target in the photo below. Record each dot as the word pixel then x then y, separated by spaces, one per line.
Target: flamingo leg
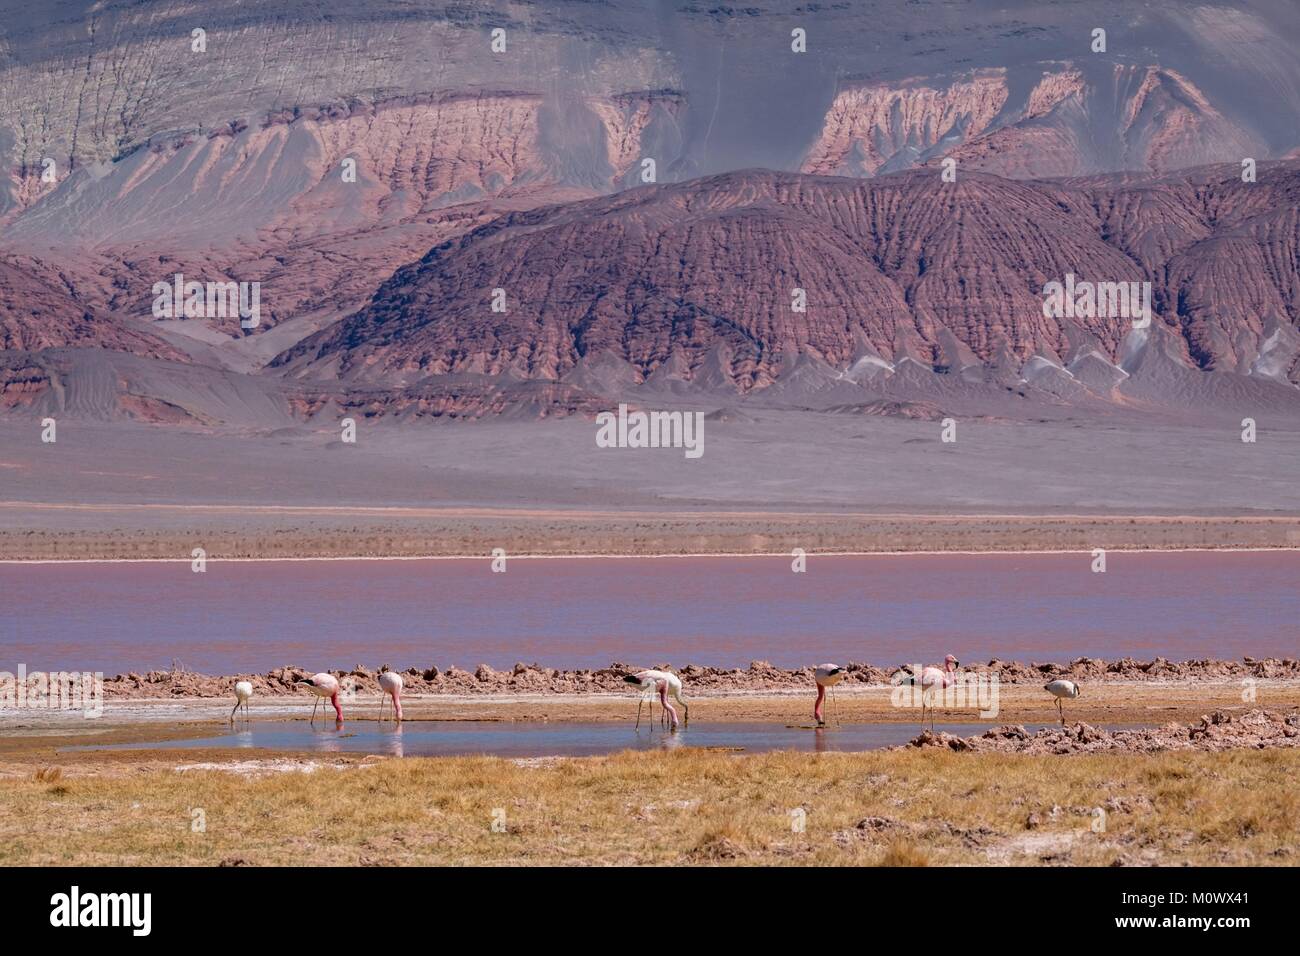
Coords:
pixel 639 702
pixel 232 713
pixel 666 709
pixel 313 710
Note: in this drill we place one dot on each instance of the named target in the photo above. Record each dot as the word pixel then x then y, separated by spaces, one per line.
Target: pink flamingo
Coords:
pixel 323 685
pixel 390 685
pixel 662 682
pixel 826 675
pixel 931 677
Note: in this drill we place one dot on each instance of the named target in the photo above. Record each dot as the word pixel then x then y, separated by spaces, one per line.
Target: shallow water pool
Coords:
pixel 536 739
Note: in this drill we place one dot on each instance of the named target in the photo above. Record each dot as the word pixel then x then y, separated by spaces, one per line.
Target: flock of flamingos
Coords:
pixel 325 686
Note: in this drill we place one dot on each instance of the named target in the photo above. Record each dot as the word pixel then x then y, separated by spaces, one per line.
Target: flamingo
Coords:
pixel 932 677
pixel 826 675
pixel 323 685
pixel 243 691
pixel 663 682
pixel 1059 689
pixel 390 685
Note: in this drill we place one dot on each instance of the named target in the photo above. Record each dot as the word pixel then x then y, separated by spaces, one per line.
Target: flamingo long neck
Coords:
pixel 397 703
pixel 821 696
pixel 334 699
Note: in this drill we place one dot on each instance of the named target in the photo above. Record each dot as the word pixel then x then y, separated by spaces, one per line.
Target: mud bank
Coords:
pixel 759 676
pixel 1256 729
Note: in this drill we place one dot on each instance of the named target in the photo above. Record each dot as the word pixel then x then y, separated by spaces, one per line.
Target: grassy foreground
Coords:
pixel 687 807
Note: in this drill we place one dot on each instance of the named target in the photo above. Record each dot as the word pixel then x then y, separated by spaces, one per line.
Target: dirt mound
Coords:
pixel 760 675
pixel 1217 731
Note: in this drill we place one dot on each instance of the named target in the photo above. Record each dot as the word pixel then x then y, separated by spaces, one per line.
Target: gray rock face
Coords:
pixel 133 148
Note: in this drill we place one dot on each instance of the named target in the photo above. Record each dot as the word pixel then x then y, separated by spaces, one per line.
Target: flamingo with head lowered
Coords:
pixel 826 675
pixel 390 685
pixel 1060 689
pixel 661 682
pixel 323 686
pixel 243 691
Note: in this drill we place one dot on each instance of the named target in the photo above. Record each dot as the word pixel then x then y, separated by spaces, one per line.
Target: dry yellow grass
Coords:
pixel 686 807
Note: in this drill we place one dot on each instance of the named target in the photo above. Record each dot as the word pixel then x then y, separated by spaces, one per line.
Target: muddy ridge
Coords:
pixel 760 675
pixel 1217 731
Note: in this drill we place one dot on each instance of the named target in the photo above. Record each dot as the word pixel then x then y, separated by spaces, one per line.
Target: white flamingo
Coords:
pixel 1061 689
pixel 390 685
pixel 932 677
pixel 243 691
pixel 323 686
pixel 826 675
pixel 663 682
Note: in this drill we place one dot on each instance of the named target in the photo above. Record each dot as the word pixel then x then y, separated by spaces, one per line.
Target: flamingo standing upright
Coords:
pixel 932 677
pixel 662 682
pixel 323 686
pixel 826 675
pixel 243 691
pixel 390 685
pixel 1059 689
